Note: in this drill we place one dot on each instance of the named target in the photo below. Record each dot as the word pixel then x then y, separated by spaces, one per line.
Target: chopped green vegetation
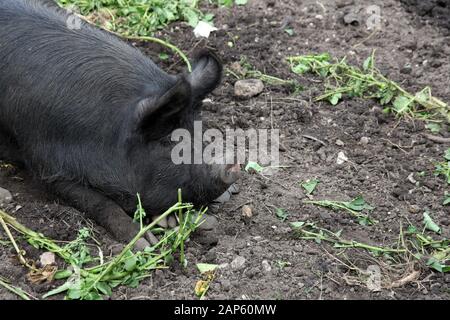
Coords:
pixel 310 185
pixel 354 207
pixel 343 80
pixel 245 70
pixel 142 17
pixel 16 290
pixel 443 168
pixel 430 224
pixel 253 167
pixel 410 243
pixel 89 277
pixel 446 199
pixel 281 214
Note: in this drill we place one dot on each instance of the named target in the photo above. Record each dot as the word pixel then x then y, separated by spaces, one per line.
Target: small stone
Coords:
pixel 339 143
pixel 210 222
pixel 248 88
pixel 351 18
pixel 238 262
pixel 47 258
pixel 364 140
pixel 266 266
pixel 247 211
pixel 5 196
pixel 341 158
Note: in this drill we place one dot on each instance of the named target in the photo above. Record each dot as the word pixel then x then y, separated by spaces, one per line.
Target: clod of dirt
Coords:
pixel 238 262
pixel 341 158
pixel 248 88
pixel 5 196
pixel 352 19
pixel 364 140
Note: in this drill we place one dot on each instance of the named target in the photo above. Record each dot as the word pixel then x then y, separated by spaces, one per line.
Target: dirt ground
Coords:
pixel 412 48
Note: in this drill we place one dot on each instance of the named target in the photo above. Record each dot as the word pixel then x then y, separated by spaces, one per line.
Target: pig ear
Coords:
pixel 152 110
pixel 206 74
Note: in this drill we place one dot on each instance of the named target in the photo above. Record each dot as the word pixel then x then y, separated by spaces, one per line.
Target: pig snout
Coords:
pixel 227 174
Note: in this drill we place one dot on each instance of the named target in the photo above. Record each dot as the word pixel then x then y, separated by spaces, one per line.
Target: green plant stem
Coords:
pixel 180 218
pixel 163 43
pixel 16 290
pixel 336 205
pixel 347 243
pixel 131 244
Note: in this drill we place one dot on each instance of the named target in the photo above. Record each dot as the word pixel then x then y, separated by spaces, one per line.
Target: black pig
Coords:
pixel 91 116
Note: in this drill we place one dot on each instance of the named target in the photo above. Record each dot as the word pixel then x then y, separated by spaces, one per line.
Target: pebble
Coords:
pixel 364 140
pixel 266 266
pixel 5 196
pixel 247 211
pixel 248 88
pixel 238 262
pixel 351 18
pixel 341 158
pixel 210 222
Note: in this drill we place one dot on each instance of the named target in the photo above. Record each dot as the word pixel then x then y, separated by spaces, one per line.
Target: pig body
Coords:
pixel 91 116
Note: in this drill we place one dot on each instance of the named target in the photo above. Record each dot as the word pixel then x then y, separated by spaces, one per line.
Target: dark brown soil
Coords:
pixel 411 49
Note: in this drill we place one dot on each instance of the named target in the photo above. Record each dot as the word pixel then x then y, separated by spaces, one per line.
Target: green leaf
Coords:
pixel 297 224
pixel 447 154
pixel 423 96
pixel 411 229
pixel 401 104
pixel 386 96
pixel 301 68
pixel 163 56
pixel 74 294
pixel 435 264
pixel 130 263
pixel 446 199
pixel 358 204
pixel 92 296
pixel 289 31
pixel 281 214
pixel 104 288
pixel 241 2
pixel 433 127
pixel 310 185
pixel 334 99
pixel 191 16
pixel 253 166
pixel 368 63
pixel 205 267
pixel 430 224
pixel 208 17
